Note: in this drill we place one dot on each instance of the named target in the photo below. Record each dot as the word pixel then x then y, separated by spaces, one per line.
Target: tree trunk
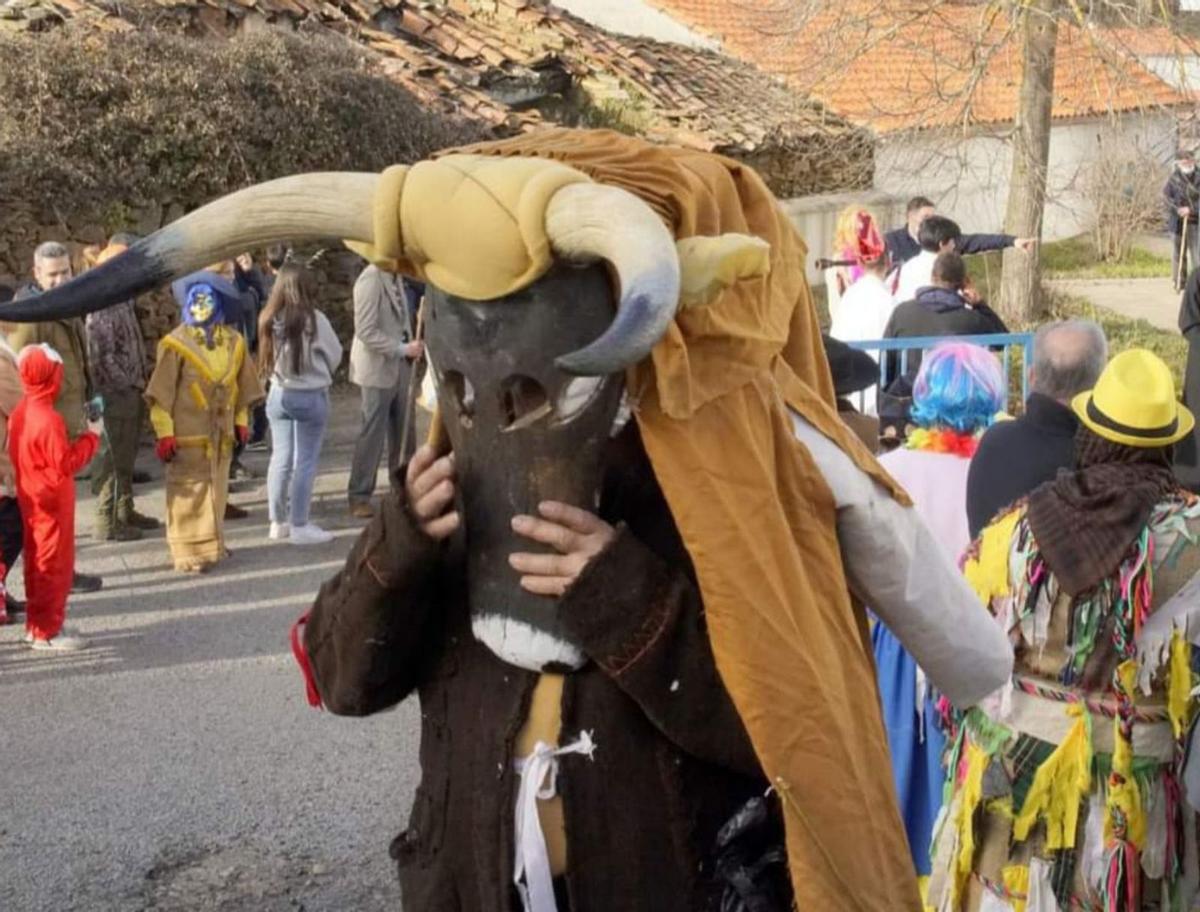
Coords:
pixel 1020 287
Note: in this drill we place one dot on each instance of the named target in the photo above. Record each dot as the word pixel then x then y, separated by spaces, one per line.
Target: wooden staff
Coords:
pixel 1181 271
pixel 414 383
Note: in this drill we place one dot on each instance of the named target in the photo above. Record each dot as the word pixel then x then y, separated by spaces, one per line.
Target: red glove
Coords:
pixel 243 434
pixel 166 449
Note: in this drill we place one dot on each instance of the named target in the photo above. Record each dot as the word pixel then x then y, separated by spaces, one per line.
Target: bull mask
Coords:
pixel 523 431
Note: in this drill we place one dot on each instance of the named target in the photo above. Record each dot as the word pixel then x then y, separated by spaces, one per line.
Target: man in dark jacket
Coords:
pixel 1182 197
pixel 254 287
pixel 242 315
pixel 948 307
pixel 1014 457
pixel 1187 451
pixel 904 242
pixel 117 357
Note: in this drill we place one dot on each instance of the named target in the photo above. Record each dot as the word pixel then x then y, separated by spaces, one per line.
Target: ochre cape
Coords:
pixel 753 510
pixel 758 520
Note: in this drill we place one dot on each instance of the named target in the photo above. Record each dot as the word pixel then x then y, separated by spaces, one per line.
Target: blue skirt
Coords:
pixel 916 745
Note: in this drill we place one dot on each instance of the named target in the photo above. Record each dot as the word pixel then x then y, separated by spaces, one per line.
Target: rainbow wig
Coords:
pixel 960 387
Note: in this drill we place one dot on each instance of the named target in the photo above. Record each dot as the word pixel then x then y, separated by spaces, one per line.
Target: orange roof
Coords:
pixel 899 64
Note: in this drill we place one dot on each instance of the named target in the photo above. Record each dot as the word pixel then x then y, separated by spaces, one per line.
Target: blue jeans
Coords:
pixel 297 430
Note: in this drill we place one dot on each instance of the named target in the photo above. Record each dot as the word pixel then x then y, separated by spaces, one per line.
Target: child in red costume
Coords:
pixel 45 463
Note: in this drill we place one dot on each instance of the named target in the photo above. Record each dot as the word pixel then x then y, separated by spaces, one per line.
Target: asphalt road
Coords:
pixel 176 765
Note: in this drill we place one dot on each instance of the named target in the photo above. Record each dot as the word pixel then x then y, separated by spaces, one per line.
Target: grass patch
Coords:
pixel 1075 258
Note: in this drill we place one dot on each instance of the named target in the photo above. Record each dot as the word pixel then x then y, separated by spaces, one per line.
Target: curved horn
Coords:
pixel 333 204
pixel 592 221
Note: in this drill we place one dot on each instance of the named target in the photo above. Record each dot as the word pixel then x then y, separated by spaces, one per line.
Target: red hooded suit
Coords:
pixel 45 463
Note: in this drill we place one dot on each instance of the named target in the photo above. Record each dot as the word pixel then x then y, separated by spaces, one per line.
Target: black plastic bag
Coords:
pixel 752 861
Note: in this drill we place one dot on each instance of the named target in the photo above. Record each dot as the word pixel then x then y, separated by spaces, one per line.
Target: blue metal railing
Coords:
pixel 1006 342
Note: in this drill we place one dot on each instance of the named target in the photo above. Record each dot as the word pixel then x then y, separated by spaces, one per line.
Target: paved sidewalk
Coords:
pixel 175 765
pixel 1153 300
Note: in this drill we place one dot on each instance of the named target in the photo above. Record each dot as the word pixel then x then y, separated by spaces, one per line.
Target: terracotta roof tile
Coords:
pixel 904 64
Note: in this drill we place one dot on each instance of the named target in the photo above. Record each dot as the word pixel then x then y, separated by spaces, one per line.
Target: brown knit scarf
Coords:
pixel 1085 521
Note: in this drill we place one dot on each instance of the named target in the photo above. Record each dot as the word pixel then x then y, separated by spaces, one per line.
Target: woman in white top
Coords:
pixel 299 348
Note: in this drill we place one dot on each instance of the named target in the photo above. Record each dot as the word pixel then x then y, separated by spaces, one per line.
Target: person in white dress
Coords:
pixel 866 305
pixel 847 271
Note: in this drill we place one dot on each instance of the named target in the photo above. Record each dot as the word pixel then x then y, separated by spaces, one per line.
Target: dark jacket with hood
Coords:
pixel 937 311
pixel 672 761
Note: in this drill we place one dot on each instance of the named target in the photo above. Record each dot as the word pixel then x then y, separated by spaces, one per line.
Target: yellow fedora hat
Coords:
pixel 1134 402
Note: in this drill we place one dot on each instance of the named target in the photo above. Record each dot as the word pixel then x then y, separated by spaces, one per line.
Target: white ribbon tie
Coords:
pixel 539 782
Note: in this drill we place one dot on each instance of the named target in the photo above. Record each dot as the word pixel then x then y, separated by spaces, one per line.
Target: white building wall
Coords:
pixel 967 177
pixel 636 18
pixel 1181 71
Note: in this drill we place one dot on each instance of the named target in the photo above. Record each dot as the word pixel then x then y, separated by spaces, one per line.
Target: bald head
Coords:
pixel 1067 358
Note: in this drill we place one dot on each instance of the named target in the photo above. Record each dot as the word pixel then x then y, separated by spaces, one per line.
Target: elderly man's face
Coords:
pixel 51 272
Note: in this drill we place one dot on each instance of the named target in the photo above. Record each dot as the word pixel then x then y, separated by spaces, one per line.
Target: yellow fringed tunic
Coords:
pixel 198 395
pixel 1061 792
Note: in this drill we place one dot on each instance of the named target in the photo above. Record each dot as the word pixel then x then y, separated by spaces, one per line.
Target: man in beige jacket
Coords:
pixel 381 364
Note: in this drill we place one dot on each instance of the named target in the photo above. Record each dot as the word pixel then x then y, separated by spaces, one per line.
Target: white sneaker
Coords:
pixel 63 642
pixel 310 535
pixel 279 531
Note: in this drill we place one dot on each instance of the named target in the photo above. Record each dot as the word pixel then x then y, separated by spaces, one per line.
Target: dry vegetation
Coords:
pixel 93 121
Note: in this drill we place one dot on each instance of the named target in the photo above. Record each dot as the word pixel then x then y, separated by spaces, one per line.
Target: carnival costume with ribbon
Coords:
pixel 1064 789
pixel 199 395
pixel 44 462
pixel 605 750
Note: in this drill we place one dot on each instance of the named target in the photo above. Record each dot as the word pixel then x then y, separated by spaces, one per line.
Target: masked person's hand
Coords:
pixel 429 485
pixel 575 534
